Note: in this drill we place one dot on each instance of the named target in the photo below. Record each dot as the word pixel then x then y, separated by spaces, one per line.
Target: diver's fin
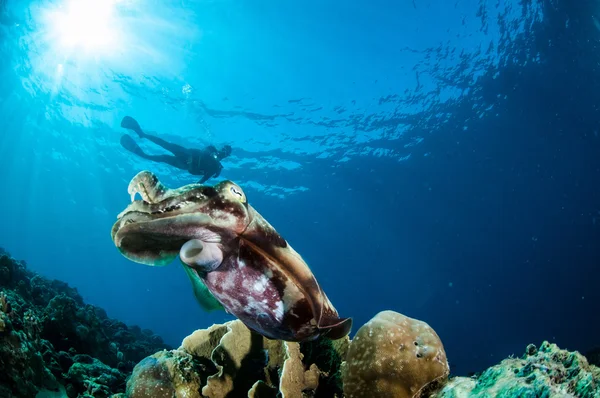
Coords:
pixel 128 143
pixel 204 297
pixel 130 123
pixel 337 329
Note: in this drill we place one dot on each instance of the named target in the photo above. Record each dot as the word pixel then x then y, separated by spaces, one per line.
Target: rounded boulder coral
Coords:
pixel 393 355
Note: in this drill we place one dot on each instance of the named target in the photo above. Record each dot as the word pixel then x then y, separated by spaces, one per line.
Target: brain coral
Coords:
pixel 393 355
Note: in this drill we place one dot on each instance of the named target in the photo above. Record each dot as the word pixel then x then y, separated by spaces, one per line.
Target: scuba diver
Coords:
pixel 206 162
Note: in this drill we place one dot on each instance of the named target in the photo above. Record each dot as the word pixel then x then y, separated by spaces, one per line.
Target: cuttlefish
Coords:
pixel 234 258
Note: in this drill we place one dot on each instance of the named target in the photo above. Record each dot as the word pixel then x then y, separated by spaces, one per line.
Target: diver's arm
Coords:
pixel 218 173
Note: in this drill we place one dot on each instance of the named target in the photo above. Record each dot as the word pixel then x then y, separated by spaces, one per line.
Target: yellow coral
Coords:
pixel 230 360
pixel 202 342
pixel 237 348
pixel 393 355
pixel 294 379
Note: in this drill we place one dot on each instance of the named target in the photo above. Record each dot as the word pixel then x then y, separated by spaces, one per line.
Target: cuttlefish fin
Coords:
pixel 204 297
pixel 335 328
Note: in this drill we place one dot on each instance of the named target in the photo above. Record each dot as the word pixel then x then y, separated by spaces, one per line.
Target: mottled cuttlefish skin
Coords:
pixel 234 252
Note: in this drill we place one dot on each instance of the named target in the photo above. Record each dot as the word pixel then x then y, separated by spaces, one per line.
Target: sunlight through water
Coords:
pixel 85 24
pixel 88 54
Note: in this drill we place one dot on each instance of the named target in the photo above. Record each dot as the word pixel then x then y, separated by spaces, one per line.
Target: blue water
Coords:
pixel 437 158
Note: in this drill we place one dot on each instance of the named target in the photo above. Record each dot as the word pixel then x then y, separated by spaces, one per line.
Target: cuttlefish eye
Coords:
pixel 238 193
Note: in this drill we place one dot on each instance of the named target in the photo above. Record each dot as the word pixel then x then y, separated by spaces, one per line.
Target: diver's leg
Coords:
pixel 128 143
pixel 175 149
pixel 168 159
pixel 130 123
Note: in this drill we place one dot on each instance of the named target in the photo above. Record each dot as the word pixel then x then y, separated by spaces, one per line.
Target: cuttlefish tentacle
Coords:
pixel 148 186
pixel 152 190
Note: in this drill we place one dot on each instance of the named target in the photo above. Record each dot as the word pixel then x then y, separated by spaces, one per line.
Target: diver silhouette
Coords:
pixel 205 162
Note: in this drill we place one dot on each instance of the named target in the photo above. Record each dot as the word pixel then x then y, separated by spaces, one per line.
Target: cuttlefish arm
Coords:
pixel 152 190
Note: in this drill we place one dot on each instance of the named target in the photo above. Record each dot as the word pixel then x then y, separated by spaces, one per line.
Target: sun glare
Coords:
pixel 84 47
pixel 84 24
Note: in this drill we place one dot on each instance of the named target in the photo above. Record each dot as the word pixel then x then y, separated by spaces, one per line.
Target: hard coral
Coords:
pixel 45 327
pixel 23 368
pixel 98 379
pixel 547 372
pixel 241 358
pixel 249 362
pixel 168 374
pixel 383 360
pixel 394 356
pixel 294 378
pixel 233 361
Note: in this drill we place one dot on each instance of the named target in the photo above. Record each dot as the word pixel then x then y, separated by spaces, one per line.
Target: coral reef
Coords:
pixel 51 341
pixel 54 345
pixel 230 360
pixel 544 372
pixel 393 355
